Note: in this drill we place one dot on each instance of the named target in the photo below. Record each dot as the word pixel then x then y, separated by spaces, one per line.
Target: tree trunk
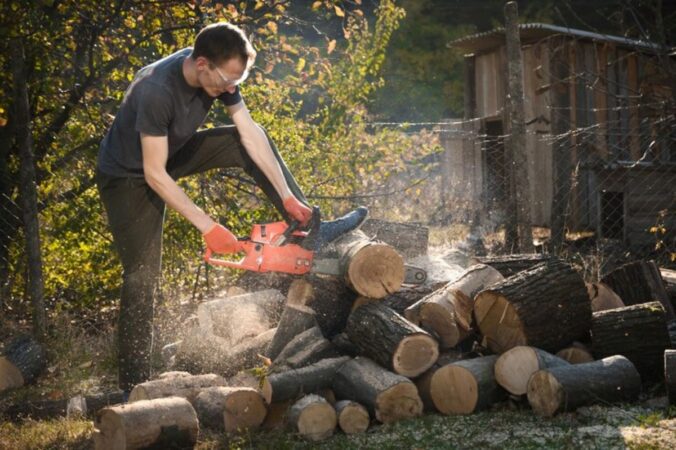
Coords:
pixel 388 397
pixel 352 417
pixel 386 337
pixel 602 297
pixel 576 353
pixel 640 282
pixel 670 375
pixel 230 408
pixel 295 319
pixel 466 386
pixel 372 269
pixel 186 386
pixel 546 306
pixel 565 388
pixel 160 423
pixel 307 380
pixel 638 332
pixel 29 196
pixel 313 417
pixel 514 368
pixel 509 265
pixel 448 312
pixel 23 361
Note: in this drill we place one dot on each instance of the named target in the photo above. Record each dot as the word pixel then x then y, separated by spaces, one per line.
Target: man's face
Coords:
pixel 225 77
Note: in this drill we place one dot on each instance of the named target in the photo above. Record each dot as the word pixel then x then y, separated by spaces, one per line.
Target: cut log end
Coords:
pixel 376 271
pixel 415 354
pixel 10 375
pixel 436 317
pixel 244 409
pixel 400 401
pixel 575 355
pixel 498 322
pixel 454 390
pixel 545 393
pixel 352 417
pixel 313 417
pixel 514 368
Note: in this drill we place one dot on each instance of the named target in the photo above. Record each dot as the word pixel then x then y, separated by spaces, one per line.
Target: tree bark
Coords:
pixel 295 319
pixel 230 408
pixel 307 380
pixel 306 348
pixel 160 423
pixel 509 265
pixel 186 386
pixel 546 306
pixel 638 332
pixel 389 339
pixel 409 239
pixel 565 388
pixel 313 417
pixel 514 368
pixel 670 375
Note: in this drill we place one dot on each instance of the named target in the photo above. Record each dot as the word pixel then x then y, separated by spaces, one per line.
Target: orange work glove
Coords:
pixel 220 240
pixel 297 210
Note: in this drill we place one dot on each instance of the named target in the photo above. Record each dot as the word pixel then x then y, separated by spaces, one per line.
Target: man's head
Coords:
pixel 223 55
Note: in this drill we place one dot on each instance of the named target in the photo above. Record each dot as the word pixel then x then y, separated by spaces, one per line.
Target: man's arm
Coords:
pixel 155 155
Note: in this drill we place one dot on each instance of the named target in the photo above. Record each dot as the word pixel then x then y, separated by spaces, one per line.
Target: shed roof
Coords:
pixel 533 32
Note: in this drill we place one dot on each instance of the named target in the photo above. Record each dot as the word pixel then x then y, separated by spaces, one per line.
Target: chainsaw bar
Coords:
pixel 331 266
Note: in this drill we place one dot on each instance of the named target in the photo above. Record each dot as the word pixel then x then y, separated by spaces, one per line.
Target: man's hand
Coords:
pixel 220 240
pixel 297 210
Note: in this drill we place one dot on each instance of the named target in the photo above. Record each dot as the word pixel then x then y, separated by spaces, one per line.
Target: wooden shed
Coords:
pixel 601 140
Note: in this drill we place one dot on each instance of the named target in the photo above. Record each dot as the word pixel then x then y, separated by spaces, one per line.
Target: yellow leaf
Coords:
pixel 272 26
pixel 3 121
pixel 673 257
pixel 358 2
pixel 358 12
pixel 232 10
pixel 332 46
pixel 346 33
pixel 258 5
pixel 300 65
pixel 339 11
pixel 316 5
pixel 653 229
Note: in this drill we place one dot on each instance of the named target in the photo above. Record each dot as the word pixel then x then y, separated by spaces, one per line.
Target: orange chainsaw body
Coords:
pixel 266 250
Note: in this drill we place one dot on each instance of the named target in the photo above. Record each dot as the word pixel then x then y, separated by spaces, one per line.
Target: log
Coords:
pixel 388 397
pixel 22 362
pixel 448 311
pixel 603 297
pixel 352 417
pixel 409 295
pixel 344 346
pixel 251 379
pixel 438 271
pixel 389 339
pixel 670 375
pixel 514 368
pixel 313 417
pixel 372 269
pixel 409 239
pixel 246 355
pixel 51 409
pixel 307 380
pixel 640 282
pixel 576 353
pixel 546 307
pixel 565 388
pixel 669 278
pixel 160 423
pixel 175 386
pixel 424 381
pixel 466 386
pixel 509 265
pixel 295 319
pixel 231 409
pixel 328 297
pixel 306 348
pixel 276 418
pixel 638 332
pixel 241 317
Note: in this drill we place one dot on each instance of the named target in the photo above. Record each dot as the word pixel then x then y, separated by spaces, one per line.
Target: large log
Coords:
pixel 410 239
pixel 466 386
pixel 306 380
pixel 372 269
pixel 328 297
pixel 388 397
pixel 50 409
pixel 254 379
pixel 23 360
pixel 603 297
pixel 161 423
pixel 546 306
pixel 306 348
pixel 246 355
pixel 514 368
pixel 640 282
pixel 186 386
pixel 447 312
pixel 352 417
pixel 565 388
pixel 509 265
pixel 576 353
pixel 409 295
pixel 243 316
pixel 638 332
pixel 386 337
pixel 313 417
pixel 670 375
pixel 295 319
pixel 230 408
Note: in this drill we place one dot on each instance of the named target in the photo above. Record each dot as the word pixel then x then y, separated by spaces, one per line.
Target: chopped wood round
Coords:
pixel 352 417
pixel 670 375
pixel 603 297
pixel 230 408
pixel 247 378
pixel 160 423
pixel 466 386
pixel 23 360
pixel 10 375
pixel 313 417
pixel 514 368
pixel 175 386
pixel 565 388
pixel 576 353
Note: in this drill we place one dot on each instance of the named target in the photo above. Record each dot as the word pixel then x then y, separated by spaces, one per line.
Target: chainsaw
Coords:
pixel 283 247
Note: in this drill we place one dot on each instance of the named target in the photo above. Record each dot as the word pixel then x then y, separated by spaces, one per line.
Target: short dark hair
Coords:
pixel 222 41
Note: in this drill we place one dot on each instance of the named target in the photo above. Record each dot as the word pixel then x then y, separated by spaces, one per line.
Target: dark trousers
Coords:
pixel 136 215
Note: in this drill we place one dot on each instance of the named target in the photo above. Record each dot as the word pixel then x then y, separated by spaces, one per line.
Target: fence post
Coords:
pixel 516 139
pixel 28 189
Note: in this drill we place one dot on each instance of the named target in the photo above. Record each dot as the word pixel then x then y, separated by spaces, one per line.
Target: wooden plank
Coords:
pixel 601 99
pixel 632 91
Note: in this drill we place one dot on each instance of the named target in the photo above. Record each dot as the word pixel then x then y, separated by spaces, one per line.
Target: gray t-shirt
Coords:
pixel 159 102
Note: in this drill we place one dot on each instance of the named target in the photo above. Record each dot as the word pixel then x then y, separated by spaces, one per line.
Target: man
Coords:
pixel 154 141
